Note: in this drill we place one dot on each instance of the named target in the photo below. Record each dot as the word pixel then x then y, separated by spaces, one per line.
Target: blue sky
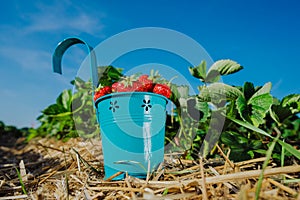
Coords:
pixel 263 36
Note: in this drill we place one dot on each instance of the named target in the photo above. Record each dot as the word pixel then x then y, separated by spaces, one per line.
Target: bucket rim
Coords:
pixel 118 94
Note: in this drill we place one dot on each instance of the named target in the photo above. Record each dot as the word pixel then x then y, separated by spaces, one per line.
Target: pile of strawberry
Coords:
pixel 141 83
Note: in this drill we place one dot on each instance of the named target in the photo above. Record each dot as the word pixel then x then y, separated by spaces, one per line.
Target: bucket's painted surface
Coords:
pixel 132 131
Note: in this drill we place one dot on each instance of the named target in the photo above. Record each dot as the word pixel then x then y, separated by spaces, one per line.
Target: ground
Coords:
pixel 74 170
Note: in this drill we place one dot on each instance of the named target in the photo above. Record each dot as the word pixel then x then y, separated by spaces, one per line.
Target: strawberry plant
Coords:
pixel 72 114
pixel 249 110
pixel 243 119
pixel 194 112
pixel 11 132
pixel 57 119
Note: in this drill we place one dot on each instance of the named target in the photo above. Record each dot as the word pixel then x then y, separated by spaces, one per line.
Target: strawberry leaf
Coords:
pixel 292 102
pixel 254 110
pixel 260 106
pixel 65 99
pixel 225 67
pixel 54 109
pixel 204 110
pixel 280 113
pixel 217 92
pixel 263 90
pixel 108 75
pixel 212 77
pixel 199 71
pixel 248 90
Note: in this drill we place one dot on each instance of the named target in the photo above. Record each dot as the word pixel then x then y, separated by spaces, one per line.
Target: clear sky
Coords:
pixel 263 36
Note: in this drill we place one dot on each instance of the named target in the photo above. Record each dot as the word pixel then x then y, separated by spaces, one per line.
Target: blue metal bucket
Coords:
pixel 132 132
pixel 132 124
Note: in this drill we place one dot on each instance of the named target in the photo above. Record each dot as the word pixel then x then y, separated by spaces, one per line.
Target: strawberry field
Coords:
pixel 226 142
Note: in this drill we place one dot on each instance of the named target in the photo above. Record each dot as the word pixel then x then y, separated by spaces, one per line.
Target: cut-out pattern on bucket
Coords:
pixel 114 106
pixel 147 105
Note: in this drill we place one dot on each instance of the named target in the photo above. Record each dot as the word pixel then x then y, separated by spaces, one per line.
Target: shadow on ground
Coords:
pixel 13 149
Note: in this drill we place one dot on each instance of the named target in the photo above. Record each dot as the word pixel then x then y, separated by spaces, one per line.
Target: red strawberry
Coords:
pixel 117 87
pixel 146 82
pixel 162 89
pixel 125 84
pixel 101 92
pixel 121 87
pixel 143 77
pixel 137 86
pixel 128 88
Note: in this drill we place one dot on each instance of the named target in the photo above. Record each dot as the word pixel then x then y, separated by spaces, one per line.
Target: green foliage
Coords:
pixel 108 75
pixel 199 71
pixel 221 67
pixel 56 120
pixel 12 130
pixel 253 117
pixel 73 114
pixel 254 104
pixel 217 92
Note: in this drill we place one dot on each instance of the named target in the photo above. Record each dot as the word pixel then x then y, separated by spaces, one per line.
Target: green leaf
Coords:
pixel 239 154
pixel 199 71
pixel 292 102
pixel 289 106
pixel 242 140
pixel 228 138
pixel 217 92
pixel 183 91
pixel 81 84
pixel 65 99
pixel 254 110
pixel 288 147
pixel 250 126
pixel 225 67
pixel 179 95
pixel 53 109
pixel 248 90
pixel 290 99
pixel 242 107
pixel 260 151
pixel 280 113
pixel 212 77
pixel 234 140
pixel 108 75
pixel 251 154
pixel 204 110
pixel 255 144
pixel 274 114
pixel 260 106
pixel 263 90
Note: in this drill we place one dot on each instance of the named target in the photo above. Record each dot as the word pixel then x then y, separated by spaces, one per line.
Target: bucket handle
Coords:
pixel 61 49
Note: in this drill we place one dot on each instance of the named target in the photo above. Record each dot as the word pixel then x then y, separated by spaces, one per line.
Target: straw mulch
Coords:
pixel 52 169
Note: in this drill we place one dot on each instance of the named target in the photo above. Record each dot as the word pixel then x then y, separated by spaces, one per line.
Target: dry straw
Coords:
pixel 74 170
